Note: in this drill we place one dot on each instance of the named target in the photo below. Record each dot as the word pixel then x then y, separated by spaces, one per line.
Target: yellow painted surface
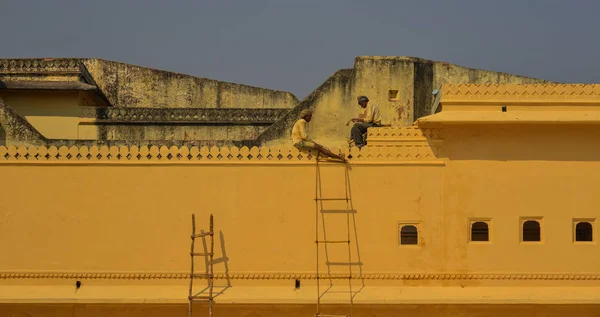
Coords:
pixel 120 222
pixel 54 114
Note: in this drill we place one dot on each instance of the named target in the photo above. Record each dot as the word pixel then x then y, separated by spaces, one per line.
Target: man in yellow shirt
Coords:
pixel 372 119
pixel 301 140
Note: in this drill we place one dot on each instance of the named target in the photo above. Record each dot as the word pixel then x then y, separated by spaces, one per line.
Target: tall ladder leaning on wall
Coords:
pixel 321 212
pixel 208 260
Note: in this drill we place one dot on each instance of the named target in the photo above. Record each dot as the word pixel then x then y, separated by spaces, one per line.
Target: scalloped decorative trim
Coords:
pixel 302 276
pixel 214 154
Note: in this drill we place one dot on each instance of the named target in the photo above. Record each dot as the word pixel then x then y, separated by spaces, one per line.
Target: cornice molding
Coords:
pixel 39 65
pixel 183 115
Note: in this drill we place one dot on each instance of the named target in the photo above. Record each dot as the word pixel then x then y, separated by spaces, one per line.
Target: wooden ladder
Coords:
pixel 321 212
pixel 209 273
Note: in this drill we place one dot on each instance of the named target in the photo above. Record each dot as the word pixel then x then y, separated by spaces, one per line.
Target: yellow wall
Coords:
pixel 54 114
pixel 131 217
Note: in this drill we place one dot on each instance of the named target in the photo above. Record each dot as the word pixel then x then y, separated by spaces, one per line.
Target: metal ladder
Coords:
pixel 320 213
pixel 209 273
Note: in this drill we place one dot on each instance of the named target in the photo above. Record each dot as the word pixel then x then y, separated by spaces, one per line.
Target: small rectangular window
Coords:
pixel 392 95
pixel 408 233
pixel 583 230
pixel 479 229
pixel 531 229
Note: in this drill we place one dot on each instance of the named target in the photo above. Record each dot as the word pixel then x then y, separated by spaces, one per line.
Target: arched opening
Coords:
pixel 409 235
pixel 531 231
pixel 480 231
pixel 583 231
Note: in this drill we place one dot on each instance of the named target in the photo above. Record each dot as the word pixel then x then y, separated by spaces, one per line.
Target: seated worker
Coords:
pixel 301 140
pixel 372 119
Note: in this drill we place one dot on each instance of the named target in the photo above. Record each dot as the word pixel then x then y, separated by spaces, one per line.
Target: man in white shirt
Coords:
pixel 372 119
pixel 301 140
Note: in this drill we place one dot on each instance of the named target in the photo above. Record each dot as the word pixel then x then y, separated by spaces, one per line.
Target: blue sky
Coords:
pixel 295 45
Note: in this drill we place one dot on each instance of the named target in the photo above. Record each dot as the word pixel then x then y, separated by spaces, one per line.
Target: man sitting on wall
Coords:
pixel 301 140
pixel 372 119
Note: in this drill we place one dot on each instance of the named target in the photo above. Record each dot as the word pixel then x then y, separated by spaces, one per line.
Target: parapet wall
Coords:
pixel 134 86
pixel 214 154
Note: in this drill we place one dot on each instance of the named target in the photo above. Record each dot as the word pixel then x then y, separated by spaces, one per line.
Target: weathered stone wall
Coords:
pixel 2 135
pixel 134 86
pixel 401 86
pixel 15 128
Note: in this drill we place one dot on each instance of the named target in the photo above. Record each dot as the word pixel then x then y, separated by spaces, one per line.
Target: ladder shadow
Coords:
pixel 360 265
pixel 224 260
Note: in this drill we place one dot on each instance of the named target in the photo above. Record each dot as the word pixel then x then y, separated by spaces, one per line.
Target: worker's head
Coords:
pixel 306 114
pixel 363 101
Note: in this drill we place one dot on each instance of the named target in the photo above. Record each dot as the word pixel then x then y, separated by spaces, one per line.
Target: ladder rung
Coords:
pixel 328 159
pixel 207 275
pixel 200 254
pixel 343 263
pixel 204 234
pixel 332 198
pixel 321 315
pixel 221 260
pixel 338 211
pixel 332 241
pixel 200 298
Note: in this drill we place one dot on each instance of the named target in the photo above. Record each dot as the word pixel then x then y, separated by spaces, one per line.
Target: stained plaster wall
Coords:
pixel 134 86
